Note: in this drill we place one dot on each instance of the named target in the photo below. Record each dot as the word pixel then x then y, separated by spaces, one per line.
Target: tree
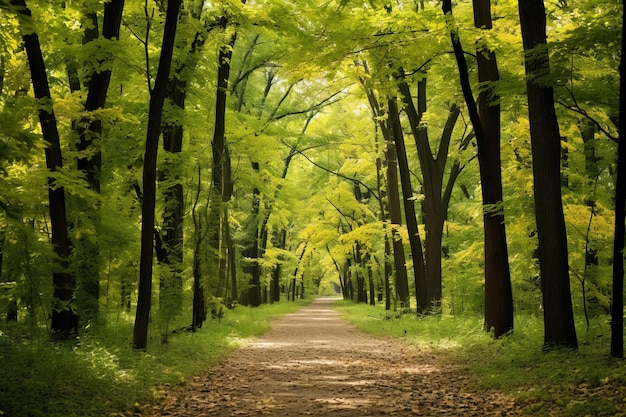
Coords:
pixel 170 178
pixel 408 200
pixel 545 139
pixel 485 119
pixel 392 214
pixel 617 305
pixel 64 316
pixel 155 114
pixel 89 130
pixel 436 195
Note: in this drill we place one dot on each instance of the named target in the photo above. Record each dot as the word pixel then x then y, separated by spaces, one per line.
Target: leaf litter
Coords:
pixel 314 363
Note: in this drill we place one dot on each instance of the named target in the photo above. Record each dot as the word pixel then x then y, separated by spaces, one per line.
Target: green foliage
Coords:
pixel 100 374
pixel 573 383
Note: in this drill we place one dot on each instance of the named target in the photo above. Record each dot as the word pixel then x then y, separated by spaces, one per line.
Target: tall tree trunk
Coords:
pixel 221 160
pixel 89 130
pixel 546 150
pixel 436 197
pixel 171 285
pixel 395 215
pixel 64 317
pixel 280 244
pixel 617 304
pixel 252 250
pixel 407 198
pixel 157 99
pixel 485 119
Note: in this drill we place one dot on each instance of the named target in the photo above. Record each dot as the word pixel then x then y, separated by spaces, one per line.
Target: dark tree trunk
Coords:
pixel 64 317
pixel 395 215
pixel 232 267
pixel 372 288
pixel 388 271
pixel 89 130
pixel 253 248
pixel 617 304
pixel 11 316
pixel 295 273
pixel 485 119
pixel 407 198
pixel 546 150
pixel 392 200
pixel 157 99
pixel 434 215
pixel 220 167
pixel 436 198
pixel 170 282
pixel 280 244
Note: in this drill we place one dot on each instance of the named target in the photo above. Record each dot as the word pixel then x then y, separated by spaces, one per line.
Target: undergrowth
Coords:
pixel 582 382
pixel 99 374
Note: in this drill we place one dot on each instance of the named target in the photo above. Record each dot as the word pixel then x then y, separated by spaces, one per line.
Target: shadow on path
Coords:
pixel 314 363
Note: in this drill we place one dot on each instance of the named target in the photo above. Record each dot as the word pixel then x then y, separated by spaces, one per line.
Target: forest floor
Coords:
pixel 312 362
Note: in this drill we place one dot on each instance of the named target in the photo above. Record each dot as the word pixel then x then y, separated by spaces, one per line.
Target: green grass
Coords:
pixel 585 382
pixel 100 375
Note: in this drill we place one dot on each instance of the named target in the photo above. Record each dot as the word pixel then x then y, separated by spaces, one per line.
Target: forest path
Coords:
pixel 312 362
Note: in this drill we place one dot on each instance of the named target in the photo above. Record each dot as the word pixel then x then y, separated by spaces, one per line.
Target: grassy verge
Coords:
pixel 102 376
pixel 586 382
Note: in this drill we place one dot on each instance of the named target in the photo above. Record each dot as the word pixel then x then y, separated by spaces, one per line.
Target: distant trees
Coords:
pixel 331 101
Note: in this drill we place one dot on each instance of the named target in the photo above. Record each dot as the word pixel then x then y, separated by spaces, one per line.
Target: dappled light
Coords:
pixel 320 207
pixel 313 362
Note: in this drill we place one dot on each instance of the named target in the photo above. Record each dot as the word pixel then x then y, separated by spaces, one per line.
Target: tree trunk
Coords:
pixel 617 304
pixel 281 243
pixel 64 317
pixel 546 150
pixel 395 215
pixel 253 248
pixel 407 198
pixel 436 198
pixel 90 129
pixel 157 99
pixel 220 169
pixel 498 292
pixel 89 161
pixel 485 119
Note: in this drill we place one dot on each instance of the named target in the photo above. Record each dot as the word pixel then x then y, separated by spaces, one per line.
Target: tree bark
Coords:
pixel 157 99
pixel 617 304
pixel 395 215
pixel 90 129
pixel 64 317
pixel 546 150
pixel 220 166
pixel 485 119
pixel 436 197
pixel 407 199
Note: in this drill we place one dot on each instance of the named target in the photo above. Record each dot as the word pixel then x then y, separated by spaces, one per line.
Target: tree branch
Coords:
pixel 337 174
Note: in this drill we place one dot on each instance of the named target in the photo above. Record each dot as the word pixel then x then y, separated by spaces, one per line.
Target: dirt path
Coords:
pixel 314 363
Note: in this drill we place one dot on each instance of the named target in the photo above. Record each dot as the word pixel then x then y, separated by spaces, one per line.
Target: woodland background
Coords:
pixel 163 161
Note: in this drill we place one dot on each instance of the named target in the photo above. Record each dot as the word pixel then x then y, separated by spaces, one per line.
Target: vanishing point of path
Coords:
pixel 312 362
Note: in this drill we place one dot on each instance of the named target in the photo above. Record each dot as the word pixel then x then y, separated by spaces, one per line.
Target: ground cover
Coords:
pixel 101 375
pixel 585 382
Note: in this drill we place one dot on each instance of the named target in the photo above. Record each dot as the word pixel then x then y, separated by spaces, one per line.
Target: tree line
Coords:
pixel 239 151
